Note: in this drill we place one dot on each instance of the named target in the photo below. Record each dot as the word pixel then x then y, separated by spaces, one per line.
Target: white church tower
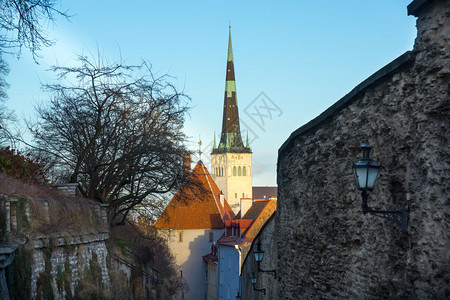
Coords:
pixel 231 161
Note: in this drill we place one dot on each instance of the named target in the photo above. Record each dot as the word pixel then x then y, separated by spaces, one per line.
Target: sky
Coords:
pixel 292 59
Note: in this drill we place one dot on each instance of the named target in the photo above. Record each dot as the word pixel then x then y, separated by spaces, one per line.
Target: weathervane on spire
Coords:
pixel 199 148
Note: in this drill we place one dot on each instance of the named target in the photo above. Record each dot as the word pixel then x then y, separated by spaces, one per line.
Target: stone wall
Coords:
pixel 326 247
pixel 77 254
pixel 34 264
pixel 42 257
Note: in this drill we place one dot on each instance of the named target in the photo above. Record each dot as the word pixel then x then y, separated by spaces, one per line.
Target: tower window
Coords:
pixel 234 171
pixel 239 171
pixel 244 171
pixel 221 171
pixel 235 195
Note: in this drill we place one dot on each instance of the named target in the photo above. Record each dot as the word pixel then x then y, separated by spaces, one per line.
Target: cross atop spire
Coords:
pixel 230 138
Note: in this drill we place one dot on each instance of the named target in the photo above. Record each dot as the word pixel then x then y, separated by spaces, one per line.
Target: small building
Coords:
pixel 233 246
pixel 191 222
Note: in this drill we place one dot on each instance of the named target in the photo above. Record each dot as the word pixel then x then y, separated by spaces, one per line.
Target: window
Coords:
pixel 244 171
pixel 239 171
pixel 211 236
pixel 180 236
pixel 221 171
pixel 234 171
pixel 243 195
pixel 235 195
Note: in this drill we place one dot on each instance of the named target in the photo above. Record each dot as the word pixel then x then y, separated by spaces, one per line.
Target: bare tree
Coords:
pixel 116 133
pixel 6 116
pixel 21 23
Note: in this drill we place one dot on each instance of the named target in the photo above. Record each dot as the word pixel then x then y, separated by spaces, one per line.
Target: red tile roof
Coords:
pixel 250 224
pixel 196 205
pixel 212 256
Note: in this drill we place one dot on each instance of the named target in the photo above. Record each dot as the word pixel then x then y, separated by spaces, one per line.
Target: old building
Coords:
pixel 230 251
pixel 264 272
pixel 191 222
pixel 231 160
pixel 326 246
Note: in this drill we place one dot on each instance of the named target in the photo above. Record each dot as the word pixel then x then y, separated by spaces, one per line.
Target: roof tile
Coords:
pixel 196 205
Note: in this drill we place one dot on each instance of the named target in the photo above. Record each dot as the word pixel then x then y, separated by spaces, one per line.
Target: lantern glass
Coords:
pixel 259 254
pixel 366 173
pixel 253 279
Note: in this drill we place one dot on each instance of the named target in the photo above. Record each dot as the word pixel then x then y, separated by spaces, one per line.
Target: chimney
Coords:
pixel 246 203
pixel 186 164
pixel 222 199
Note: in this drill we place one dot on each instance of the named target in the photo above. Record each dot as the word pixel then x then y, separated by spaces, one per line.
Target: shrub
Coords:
pixel 14 164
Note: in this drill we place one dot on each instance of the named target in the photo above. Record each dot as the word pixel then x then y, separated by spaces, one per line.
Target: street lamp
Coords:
pixel 366 173
pixel 259 255
pixel 253 281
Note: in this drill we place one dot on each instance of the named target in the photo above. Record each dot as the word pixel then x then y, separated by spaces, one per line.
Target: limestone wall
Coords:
pixel 44 257
pixel 326 247
pixel 73 256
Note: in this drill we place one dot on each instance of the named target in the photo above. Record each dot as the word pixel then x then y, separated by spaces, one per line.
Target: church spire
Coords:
pixel 230 138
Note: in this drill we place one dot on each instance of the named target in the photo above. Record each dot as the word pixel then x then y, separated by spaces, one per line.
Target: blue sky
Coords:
pixel 293 59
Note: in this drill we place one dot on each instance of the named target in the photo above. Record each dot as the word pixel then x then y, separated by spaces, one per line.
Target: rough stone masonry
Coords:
pixel 326 247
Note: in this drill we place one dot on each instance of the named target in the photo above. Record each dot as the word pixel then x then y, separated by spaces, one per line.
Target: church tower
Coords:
pixel 231 161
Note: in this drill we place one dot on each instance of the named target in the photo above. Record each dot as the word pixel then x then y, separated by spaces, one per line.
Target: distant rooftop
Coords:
pixel 264 192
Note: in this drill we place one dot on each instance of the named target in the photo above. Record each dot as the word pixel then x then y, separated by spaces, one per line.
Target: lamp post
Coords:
pixel 259 255
pixel 253 281
pixel 238 296
pixel 366 173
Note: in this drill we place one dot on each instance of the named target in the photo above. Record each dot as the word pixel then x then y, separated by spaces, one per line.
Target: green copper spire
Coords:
pixel 230 138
